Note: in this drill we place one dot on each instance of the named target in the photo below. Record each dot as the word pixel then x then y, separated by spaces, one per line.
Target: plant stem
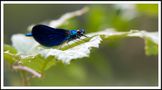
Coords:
pixel 25 78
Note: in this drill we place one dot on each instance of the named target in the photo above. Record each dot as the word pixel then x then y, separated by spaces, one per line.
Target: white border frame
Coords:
pixel 81 2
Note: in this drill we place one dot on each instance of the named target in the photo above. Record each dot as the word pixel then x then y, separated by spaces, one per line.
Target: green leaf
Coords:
pixel 38 63
pixel 11 58
pixel 10 49
pixel 10 54
pixel 151 48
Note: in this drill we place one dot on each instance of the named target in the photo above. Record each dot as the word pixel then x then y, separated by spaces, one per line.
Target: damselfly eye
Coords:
pixel 78 32
pixel 81 31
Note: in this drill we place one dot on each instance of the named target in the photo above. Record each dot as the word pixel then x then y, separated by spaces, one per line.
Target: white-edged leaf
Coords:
pixel 28 47
pixel 80 51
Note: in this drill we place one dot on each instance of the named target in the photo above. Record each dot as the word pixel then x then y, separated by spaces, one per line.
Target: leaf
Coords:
pixel 77 50
pixel 151 47
pixel 10 49
pixel 10 54
pixel 38 63
pixel 11 58
pixel 80 51
pixel 25 50
pixel 151 41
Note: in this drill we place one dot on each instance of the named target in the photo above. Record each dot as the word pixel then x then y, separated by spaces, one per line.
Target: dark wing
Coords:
pixel 48 36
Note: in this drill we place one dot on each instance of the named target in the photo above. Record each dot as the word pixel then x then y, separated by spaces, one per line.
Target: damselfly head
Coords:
pixel 81 31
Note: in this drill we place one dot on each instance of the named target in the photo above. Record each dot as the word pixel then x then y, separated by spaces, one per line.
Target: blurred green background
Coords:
pixel 116 63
